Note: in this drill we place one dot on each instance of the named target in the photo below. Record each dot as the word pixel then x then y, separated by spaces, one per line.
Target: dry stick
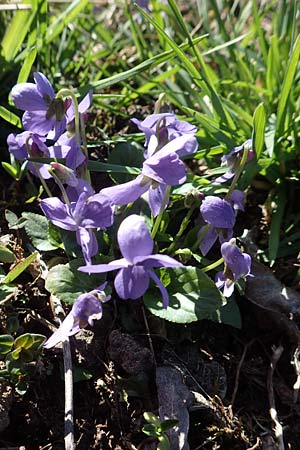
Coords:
pixel 148 333
pixel 237 376
pixel 68 375
pixel 277 351
pixel 296 364
pixel 256 445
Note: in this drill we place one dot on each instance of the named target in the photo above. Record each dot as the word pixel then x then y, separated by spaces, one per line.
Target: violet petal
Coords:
pixel 134 238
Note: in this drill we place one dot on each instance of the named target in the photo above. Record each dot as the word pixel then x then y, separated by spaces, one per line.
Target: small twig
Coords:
pixel 296 364
pixel 148 333
pixel 237 376
pixel 68 375
pixel 277 351
pixel 256 445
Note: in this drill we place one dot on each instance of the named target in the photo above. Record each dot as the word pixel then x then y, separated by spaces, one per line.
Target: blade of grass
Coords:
pixel 65 18
pixel 10 117
pixel 96 166
pixel 17 31
pixel 19 268
pixel 260 32
pixel 145 65
pixel 194 73
pixel 27 65
pixel 286 86
pixel 259 125
pixel 277 216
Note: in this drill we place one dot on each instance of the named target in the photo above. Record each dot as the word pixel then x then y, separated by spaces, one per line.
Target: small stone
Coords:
pixel 129 354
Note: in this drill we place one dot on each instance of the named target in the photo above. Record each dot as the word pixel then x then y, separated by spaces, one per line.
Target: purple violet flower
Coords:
pixel 43 111
pixel 82 216
pixel 233 159
pixel 31 145
pixel 237 265
pixel 166 127
pixel 86 309
pixel 237 199
pixel 161 169
pixel 219 214
pixel 143 4
pixel 136 245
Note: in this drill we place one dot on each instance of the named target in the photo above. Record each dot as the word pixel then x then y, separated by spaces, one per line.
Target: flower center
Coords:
pixel 56 108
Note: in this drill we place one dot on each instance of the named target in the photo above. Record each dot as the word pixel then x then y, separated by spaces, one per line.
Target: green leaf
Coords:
pixel 192 296
pixel 12 219
pixel 167 424
pixel 150 429
pixel 129 154
pixel 259 124
pixel 37 229
pixel 19 268
pixel 10 117
pixel 289 78
pixel 152 418
pixel 38 340
pixel 6 255
pixel 11 170
pixel 67 283
pixel 6 343
pixel 24 341
pixel 163 443
pixel 229 314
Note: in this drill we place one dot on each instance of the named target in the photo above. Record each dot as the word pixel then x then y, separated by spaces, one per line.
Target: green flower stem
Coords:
pixel 213 265
pixel 238 172
pixel 68 93
pixel 61 187
pixel 84 147
pixel 201 237
pixel 162 208
pixel 59 313
pixel 182 228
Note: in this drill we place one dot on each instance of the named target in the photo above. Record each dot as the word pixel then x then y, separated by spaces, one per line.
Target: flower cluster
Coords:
pixel 219 217
pixel 51 119
pixel 47 117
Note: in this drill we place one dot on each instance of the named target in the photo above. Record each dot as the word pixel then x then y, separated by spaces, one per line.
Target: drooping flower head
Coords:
pixel 233 160
pixel 86 309
pixel 135 268
pixel 236 265
pixel 30 145
pixel 81 216
pixel 43 111
pixel 219 215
